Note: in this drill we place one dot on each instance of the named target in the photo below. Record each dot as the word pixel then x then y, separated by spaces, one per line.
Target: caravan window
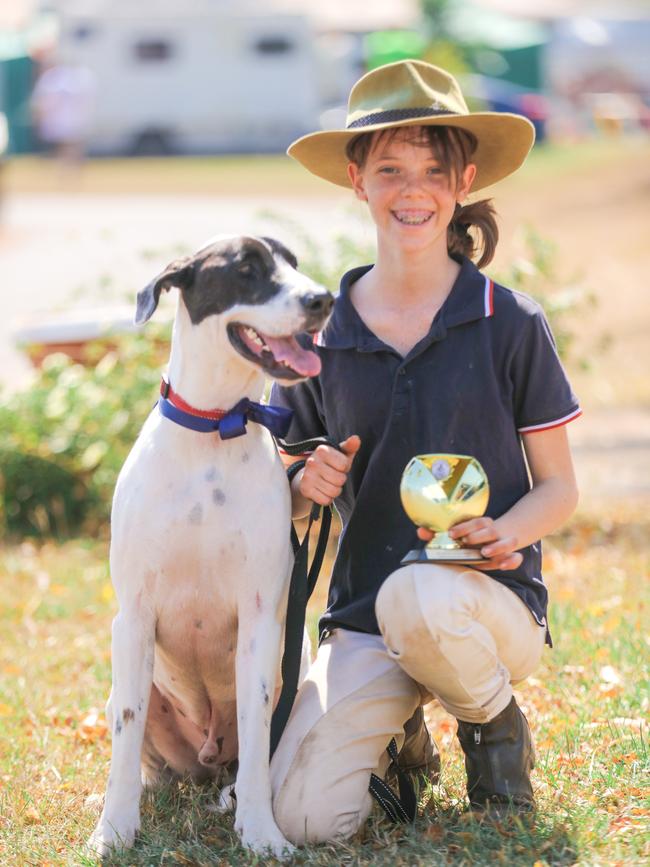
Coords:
pixel 82 32
pixel 153 50
pixel 273 45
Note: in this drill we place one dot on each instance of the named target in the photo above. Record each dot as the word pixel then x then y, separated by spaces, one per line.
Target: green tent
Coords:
pixel 16 82
pixel 388 46
pixel 500 45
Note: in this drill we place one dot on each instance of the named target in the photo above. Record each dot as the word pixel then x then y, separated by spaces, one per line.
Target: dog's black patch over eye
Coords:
pixel 241 272
pixel 251 266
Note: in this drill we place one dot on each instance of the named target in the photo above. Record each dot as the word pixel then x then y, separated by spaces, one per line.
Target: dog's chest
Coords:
pixel 202 497
pixel 215 520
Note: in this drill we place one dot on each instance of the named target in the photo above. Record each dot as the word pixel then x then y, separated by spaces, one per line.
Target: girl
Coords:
pixel 423 353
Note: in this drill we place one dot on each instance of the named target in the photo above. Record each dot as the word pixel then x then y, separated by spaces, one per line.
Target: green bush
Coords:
pixel 65 438
pixel 536 274
pixel 38 497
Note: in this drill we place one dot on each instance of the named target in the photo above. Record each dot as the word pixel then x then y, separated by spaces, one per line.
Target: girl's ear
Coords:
pixel 466 181
pixel 356 179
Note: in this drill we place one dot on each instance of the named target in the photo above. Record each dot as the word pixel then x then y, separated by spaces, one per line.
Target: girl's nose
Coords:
pixel 413 183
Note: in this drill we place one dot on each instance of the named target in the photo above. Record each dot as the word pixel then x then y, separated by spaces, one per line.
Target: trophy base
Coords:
pixel 451 556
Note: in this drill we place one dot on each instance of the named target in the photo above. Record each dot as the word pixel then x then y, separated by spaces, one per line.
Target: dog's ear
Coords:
pixel 178 274
pixel 285 252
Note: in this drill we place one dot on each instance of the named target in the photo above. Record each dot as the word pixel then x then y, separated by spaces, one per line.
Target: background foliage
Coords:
pixel 66 436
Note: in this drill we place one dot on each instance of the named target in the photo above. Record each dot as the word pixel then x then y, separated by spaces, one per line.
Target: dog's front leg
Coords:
pixel 133 640
pixel 259 643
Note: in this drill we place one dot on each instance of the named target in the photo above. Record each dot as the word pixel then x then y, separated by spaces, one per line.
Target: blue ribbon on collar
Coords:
pixel 276 418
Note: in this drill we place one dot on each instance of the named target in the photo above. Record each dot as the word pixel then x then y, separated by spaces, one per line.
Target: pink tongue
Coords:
pixel 287 349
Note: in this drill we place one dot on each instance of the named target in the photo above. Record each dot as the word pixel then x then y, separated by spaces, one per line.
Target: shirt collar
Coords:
pixel 470 299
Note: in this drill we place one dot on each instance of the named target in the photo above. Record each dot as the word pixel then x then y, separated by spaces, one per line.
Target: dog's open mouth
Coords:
pixel 280 357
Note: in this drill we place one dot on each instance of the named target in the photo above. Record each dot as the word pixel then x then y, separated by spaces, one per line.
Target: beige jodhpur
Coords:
pixel 447 632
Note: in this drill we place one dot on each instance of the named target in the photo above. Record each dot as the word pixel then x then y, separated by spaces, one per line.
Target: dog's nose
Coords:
pixel 317 303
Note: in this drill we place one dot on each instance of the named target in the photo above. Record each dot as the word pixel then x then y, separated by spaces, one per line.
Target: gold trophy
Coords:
pixel 437 492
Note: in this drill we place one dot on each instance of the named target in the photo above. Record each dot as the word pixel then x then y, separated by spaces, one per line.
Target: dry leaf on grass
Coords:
pixel 435 833
pixel 93 727
pixel 31 816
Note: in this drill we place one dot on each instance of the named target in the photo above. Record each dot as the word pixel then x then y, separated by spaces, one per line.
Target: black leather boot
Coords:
pixel 419 755
pixel 499 757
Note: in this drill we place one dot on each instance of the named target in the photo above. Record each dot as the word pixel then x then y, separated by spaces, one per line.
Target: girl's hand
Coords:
pixel 326 470
pixel 484 533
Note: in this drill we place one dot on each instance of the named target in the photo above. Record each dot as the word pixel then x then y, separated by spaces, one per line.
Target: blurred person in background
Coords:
pixel 62 102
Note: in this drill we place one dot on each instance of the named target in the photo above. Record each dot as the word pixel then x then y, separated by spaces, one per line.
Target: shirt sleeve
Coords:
pixel 543 398
pixel 304 400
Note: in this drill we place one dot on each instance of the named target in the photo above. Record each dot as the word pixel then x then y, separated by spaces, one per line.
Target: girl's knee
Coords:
pixel 309 817
pixel 423 593
pixel 395 603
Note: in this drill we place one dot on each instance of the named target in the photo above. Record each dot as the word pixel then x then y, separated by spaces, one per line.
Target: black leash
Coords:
pixel 398 809
pixel 303 581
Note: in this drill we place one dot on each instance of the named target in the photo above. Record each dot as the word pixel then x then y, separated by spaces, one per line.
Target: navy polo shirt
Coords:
pixel 486 372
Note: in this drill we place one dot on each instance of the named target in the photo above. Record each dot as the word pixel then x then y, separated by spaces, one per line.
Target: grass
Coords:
pixel 266 175
pixel 586 705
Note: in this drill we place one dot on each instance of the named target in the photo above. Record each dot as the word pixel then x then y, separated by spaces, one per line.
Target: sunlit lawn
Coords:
pixel 271 174
pixel 586 705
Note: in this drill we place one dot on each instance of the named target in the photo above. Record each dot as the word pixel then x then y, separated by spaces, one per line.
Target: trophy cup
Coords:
pixel 437 492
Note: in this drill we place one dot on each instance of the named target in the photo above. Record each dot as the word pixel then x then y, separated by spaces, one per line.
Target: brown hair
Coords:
pixel 453 148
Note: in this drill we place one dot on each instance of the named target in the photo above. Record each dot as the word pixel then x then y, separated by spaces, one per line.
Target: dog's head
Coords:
pixel 260 298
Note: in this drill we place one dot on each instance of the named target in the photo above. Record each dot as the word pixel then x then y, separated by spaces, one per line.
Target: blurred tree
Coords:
pixel 435 13
pixel 443 50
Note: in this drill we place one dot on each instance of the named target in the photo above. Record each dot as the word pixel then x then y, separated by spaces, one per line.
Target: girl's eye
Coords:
pixel 435 170
pixel 388 170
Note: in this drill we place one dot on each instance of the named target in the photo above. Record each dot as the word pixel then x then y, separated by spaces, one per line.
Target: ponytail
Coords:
pixel 480 216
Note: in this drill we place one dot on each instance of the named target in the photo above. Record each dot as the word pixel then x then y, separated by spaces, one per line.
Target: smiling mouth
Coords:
pixel 280 357
pixel 412 218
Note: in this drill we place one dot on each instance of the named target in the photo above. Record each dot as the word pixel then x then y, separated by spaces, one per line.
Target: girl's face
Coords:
pixel 411 199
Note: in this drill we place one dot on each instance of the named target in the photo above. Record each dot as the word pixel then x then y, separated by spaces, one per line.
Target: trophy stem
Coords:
pixel 442 541
pixel 443 549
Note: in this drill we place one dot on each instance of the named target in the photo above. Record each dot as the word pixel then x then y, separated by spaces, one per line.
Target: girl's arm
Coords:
pixel 546 507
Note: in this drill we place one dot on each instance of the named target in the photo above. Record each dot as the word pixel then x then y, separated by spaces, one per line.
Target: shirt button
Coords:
pixel 402 372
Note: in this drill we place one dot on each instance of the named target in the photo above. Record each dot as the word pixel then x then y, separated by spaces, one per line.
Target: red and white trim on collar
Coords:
pixel 169 394
pixel 489 297
pixel 549 425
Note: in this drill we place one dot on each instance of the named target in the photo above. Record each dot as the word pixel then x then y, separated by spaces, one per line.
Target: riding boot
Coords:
pixel 499 757
pixel 419 755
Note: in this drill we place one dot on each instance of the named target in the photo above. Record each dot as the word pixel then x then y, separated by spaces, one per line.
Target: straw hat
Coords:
pixel 414 93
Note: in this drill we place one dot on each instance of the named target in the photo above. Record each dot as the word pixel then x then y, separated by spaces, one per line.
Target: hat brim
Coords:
pixel 503 142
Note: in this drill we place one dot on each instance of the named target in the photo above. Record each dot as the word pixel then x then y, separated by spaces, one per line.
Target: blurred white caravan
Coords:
pixel 198 76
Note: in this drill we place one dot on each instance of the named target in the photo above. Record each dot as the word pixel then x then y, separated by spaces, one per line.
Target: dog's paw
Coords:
pixel 265 844
pixel 112 835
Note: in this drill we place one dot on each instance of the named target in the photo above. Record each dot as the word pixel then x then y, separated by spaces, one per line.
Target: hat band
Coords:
pixel 396 114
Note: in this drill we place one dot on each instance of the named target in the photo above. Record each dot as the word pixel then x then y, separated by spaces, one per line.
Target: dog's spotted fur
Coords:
pixel 200 554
